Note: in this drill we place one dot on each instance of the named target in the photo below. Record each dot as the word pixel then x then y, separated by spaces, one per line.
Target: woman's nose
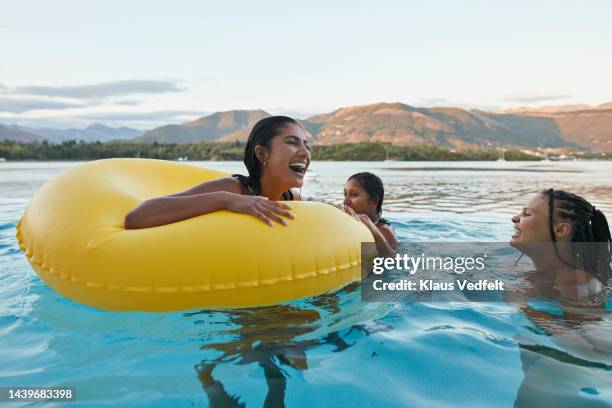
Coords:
pixel 515 219
pixel 304 152
pixel 347 202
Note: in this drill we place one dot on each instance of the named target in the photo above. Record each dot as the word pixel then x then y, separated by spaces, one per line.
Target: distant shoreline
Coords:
pixel 210 151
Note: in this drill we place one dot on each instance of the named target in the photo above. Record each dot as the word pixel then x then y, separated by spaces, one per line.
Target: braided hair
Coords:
pixel 589 225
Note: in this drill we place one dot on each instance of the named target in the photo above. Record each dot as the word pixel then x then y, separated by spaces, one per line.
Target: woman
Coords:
pixel 276 157
pixel 568 240
pixel 363 198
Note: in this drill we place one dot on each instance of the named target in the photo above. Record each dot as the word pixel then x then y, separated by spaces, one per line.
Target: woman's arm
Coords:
pixel 222 194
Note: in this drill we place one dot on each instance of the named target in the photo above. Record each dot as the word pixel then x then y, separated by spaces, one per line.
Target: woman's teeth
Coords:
pixel 298 167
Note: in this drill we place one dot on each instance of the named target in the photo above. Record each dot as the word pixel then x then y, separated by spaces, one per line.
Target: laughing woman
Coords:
pixel 568 240
pixel 565 362
pixel 276 157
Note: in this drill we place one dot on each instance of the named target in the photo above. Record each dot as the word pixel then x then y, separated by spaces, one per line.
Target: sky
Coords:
pixel 147 63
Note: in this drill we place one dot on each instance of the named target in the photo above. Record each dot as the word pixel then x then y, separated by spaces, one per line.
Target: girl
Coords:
pixel 363 198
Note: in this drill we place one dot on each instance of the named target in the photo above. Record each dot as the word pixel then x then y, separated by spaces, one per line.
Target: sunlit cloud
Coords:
pixel 533 97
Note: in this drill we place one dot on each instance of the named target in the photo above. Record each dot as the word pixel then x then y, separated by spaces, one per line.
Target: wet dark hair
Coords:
pixel 589 225
pixel 261 135
pixel 373 185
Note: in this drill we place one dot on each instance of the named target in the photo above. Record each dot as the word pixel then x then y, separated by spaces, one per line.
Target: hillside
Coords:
pixel 17 134
pixel 92 133
pixel 402 124
pixel 220 126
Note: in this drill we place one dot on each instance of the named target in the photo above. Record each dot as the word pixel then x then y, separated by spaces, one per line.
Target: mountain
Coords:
pixel 92 133
pixel 403 124
pixel 15 133
pixel 574 126
pixel 95 132
pixel 590 128
pixel 220 126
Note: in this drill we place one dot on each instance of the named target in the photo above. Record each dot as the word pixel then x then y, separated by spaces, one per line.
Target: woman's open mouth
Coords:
pixel 298 167
pixel 517 233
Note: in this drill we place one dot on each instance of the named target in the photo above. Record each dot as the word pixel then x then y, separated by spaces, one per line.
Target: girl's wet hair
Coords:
pixel 373 185
pixel 589 225
pixel 262 134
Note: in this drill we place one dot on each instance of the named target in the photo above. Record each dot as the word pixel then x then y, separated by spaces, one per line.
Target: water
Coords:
pixel 331 349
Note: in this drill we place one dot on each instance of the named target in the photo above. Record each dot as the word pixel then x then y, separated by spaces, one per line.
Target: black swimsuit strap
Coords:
pixel 245 181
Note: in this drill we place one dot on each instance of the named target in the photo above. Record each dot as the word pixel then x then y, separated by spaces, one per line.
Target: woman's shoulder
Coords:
pixel 229 184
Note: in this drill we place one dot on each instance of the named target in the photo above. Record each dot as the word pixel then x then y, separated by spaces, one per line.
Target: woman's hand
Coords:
pixel 260 207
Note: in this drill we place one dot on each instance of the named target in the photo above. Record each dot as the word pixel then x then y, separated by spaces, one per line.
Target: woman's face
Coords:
pixel 358 199
pixel 532 224
pixel 288 157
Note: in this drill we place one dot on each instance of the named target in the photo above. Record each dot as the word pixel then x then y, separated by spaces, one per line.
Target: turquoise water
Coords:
pixel 331 349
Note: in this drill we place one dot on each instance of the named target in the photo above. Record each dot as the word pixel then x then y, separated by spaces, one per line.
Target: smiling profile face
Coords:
pixel 532 224
pixel 287 157
pixel 356 197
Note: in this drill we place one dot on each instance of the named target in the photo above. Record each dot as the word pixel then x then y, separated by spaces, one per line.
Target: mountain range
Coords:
pixel 575 126
pixel 95 132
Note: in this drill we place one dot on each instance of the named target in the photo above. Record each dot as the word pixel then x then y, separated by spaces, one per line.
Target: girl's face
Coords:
pixel 288 157
pixel 532 225
pixel 358 199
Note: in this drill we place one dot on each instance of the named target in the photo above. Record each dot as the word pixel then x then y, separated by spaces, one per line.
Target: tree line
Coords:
pixel 365 151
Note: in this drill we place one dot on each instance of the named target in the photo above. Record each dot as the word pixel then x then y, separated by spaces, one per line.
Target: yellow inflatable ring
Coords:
pixel 73 236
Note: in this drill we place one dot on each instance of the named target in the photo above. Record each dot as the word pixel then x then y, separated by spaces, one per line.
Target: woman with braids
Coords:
pixel 568 240
pixel 276 157
pixel 566 362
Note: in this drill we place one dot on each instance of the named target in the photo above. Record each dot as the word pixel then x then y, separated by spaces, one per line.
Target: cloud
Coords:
pixel 433 102
pixel 127 102
pixel 100 90
pixel 298 113
pixel 21 105
pixel 167 115
pixel 533 97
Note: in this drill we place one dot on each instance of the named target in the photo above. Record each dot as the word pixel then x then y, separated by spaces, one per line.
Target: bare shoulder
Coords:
pixel 229 184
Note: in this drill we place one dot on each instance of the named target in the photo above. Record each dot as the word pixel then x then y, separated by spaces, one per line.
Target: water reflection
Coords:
pixel 277 338
pixel 571 362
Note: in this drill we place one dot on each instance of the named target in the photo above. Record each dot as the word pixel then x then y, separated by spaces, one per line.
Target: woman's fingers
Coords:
pixel 274 203
pixel 270 214
pixel 278 208
pixel 262 217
